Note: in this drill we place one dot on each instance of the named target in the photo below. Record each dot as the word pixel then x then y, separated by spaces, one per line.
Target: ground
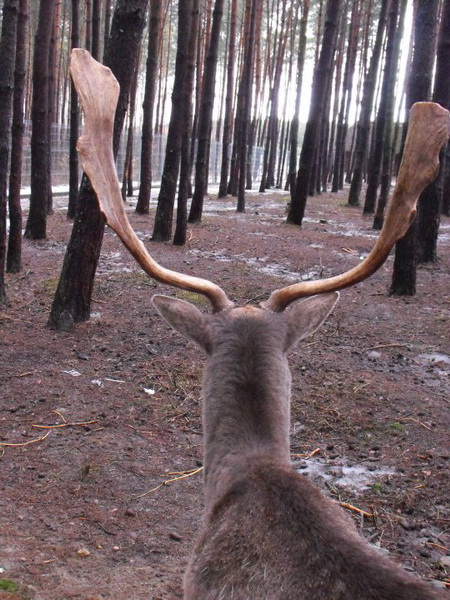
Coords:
pixel 83 512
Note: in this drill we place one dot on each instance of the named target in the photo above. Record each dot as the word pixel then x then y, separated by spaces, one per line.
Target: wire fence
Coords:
pixel 60 157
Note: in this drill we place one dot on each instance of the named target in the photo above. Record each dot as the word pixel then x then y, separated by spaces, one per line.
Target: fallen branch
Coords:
pixel 26 443
pixel 380 346
pixel 306 456
pixel 184 476
pixel 64 425
pixel 360 511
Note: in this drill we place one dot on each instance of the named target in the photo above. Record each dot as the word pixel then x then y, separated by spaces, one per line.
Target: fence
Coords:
pixel 60 157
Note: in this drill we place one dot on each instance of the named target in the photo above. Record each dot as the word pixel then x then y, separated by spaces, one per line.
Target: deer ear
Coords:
pixel 305 317
pixel 185 318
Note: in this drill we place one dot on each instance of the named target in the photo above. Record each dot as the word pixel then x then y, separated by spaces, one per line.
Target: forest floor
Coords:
pixel 84 512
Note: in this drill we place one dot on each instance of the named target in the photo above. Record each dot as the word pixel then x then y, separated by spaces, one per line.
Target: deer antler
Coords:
pixel 428 129
pixel 98 91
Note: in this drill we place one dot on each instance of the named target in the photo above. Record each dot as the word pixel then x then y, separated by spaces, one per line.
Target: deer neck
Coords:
pixel 246 406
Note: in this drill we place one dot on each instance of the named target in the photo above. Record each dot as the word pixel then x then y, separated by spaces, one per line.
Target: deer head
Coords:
pixel 267 532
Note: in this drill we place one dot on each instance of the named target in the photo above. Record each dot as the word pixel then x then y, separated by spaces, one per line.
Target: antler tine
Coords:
pixel 428 129
pixel 98 91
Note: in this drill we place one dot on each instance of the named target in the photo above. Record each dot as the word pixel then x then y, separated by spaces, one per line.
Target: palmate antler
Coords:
pixel 98 90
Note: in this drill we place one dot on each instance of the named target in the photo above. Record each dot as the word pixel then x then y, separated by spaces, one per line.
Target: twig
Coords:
pixel 306 456
pixel 360 511
pixel 393 345
pixel 418 422
pixel 184 476
pixel 443 548
pixel 358 388
pixel 26 443
pixel 63 425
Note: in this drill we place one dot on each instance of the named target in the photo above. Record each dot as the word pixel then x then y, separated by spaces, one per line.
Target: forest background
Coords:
pixel 307 102
pixel 305 96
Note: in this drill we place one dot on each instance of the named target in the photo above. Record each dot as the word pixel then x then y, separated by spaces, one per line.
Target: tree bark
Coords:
pixel 430 202
pixel 320 81
pixel 7 62
pixel 347 88
pixel 404 274
pixel 376 157
pixel 153 51
pixel 179 238
pixel 205 115
pixel 14 256
pixel 246 91
pixel 162 229
pixel 293 136
pixel 74 176
pixel 72 301
pixel 228 118
pixel 36 227
pixel 386 165
pixel 363 127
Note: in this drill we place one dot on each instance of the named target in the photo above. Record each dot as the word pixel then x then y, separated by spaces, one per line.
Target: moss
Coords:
pixel 8 585
pixel 396 426
pixel 192 297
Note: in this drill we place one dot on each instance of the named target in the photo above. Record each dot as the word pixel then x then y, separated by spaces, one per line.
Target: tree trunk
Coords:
pixel 293 140
pixel 153 52
pixel 96 29
pixel 7 62
pixel 14 257
pixel 386 166
pixel 36 227
pixel 162 229
pixel 74 176
pixel 363 127
pixel 72 300
pixel 107 25
pixel 347 86
pixel 246 91
pixel 419 88
pixel 127 186
pixel 205 115
pixel 228 118
pixel 429 207
pixel 375 160
pixel 268 176
pixel 179 238
pixel 319 86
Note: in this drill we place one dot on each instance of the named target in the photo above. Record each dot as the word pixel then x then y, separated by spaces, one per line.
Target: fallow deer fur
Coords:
pixel 268 533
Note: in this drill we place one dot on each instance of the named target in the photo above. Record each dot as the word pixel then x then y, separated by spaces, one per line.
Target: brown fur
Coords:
pixel 268 533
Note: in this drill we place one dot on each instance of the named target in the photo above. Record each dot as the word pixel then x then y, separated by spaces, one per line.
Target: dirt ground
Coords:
pixel 84 512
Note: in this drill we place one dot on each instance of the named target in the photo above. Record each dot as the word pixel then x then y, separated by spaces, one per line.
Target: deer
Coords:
pixel 268 533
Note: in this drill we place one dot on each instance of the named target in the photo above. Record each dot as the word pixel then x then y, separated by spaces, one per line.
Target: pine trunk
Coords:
pixel 376 156
pixel 205 115
pixel 72 301
pixel 429 208
pixel 363 127
pixel 320 81
pixel 405 262
pixel 7 62
pixel 36 227
pixel 386 166
pixel 228 118
pixel 154 37
pixel 162 230
pixel 185 163
pixel 74 176
pixel 246 90
pixel 14 257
